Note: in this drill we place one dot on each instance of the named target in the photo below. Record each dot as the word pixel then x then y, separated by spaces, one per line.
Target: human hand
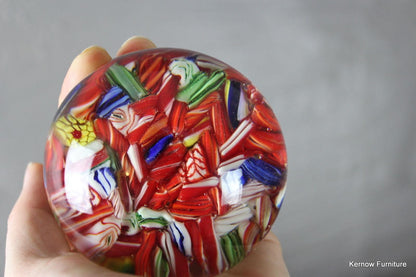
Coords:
pixel 35 244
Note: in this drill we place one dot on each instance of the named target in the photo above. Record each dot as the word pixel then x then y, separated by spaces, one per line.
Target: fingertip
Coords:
pixel 32 171
pixel 96 49
pixel 272 237
pixel 84 64
pixel 135 43
pixel 33 193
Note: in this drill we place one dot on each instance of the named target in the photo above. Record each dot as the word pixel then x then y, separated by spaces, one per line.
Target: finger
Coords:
pixel 266 259
pixel 135 44
pixel 33 195
pixel 84 64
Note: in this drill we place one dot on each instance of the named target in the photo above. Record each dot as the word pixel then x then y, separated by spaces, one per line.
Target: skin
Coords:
pixel 36 246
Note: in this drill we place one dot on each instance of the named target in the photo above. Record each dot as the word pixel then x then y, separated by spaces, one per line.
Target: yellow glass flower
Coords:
pixel 71 129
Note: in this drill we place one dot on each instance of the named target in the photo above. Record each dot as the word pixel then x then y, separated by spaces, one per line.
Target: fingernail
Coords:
pixel 27 173
pixel 143 41
pixel 93 52
pixel 30 169
pixel 92 47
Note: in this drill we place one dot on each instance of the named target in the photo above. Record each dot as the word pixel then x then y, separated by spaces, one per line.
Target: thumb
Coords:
pixel 32 230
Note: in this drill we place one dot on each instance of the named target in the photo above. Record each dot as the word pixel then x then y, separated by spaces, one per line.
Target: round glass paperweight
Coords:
pixel 165 162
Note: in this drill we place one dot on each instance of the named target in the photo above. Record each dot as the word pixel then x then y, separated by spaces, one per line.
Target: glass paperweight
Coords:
pixel 165 162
